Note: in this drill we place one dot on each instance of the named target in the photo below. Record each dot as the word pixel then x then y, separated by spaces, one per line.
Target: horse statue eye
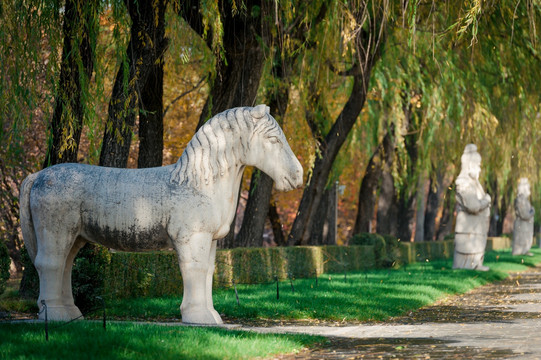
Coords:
pixel 274 140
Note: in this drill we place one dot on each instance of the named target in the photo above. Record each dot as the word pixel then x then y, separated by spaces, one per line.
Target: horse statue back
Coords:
pixel 186 206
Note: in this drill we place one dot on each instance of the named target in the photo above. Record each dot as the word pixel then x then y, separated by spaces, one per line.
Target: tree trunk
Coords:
pixel 446 226
pixel 251 232
pixel 324 224
pixel 367 43
pixel 80 25
pixel 142 54
pixel 387 214
pixel 302 226
pixel 276 225
pixel 435 192
pixel 151 105
pixel 406 220
pixel 421 199
pixel 406 196
pixel 239 70
pixel 370 182
pixel 498 209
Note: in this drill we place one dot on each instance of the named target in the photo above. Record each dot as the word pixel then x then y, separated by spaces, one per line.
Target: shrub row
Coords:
pixel 157 273
pixel 124 274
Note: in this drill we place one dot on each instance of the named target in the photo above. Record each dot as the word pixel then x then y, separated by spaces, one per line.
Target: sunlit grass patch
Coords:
pixel 88 340
pixel 373 295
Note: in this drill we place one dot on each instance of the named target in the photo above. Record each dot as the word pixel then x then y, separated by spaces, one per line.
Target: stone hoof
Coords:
pixel 61 313
pixel 482 268
pixel 216 316
pixel 201 316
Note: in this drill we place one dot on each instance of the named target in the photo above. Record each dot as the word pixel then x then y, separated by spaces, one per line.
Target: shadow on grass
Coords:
pixel 88 340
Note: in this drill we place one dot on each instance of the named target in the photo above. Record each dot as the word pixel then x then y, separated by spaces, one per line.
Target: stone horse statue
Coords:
pixel 186 206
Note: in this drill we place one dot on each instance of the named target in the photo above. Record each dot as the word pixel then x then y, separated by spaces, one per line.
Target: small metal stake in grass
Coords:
pixel 46 321
pixel 316 278
pixel 236 292
pixel 291 281
pixel 104 318
pixel 277 289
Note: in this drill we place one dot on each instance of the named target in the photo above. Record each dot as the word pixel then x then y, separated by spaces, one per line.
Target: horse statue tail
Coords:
pixel 27 224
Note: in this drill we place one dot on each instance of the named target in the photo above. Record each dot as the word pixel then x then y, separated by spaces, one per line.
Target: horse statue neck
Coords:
pixel 215 157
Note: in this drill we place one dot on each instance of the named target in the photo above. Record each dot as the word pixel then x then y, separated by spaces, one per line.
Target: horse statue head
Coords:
pixel 239 137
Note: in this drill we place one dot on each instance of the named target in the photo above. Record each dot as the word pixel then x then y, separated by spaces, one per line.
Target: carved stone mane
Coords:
pixel 220 144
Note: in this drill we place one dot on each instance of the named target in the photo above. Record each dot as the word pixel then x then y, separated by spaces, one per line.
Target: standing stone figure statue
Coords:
pixel 523 227
pixel 187 206
pixel 473 214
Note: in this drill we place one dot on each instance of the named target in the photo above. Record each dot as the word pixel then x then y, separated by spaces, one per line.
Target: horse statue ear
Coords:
pixel 260 111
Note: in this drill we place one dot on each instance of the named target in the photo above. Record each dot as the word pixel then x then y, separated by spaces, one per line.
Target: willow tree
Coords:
pixel 145 49
pixel 236 35
pixel 366 23
pixel 507 49
pixel 455 105
pixel 80 28
pixel 292 34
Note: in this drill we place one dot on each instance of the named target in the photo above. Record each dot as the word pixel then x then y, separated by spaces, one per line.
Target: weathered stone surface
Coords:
pixel 187 206
pixel 473 213
pixel 523 226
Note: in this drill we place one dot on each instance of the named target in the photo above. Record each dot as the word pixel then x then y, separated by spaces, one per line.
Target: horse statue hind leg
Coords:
pixel 52 246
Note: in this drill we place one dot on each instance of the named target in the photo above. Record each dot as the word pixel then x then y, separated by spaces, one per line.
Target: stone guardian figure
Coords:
pixel 523 227
pixel 473 213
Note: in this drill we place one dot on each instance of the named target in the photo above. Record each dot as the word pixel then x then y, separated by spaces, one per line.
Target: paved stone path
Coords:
pixel 496 321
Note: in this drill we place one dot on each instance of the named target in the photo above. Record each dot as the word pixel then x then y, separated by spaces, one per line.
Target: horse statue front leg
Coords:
pixel 210 276
pixel 195 254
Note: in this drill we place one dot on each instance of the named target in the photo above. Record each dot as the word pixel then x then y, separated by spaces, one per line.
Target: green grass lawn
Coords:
pixel 88 340
pixel 374 295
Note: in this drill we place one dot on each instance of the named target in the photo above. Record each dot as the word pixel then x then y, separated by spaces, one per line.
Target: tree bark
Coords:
pixel 421 198
pixel 446 226
pixel 387 214
pixel 239 70
pixel 79 28
pixel 151 103
pixel 498 210
pixel 302 226
pixel 367 42
pixel 435 192
pixel 324 225
pixel 370 182
pixel 142 54
pixel 257 207
pixel 276 225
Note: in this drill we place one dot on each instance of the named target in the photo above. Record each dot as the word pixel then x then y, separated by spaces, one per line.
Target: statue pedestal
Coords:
pixel 470 252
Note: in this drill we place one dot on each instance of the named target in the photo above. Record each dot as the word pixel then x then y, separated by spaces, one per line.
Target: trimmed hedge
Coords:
pixel 157 274
pixel 386 248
